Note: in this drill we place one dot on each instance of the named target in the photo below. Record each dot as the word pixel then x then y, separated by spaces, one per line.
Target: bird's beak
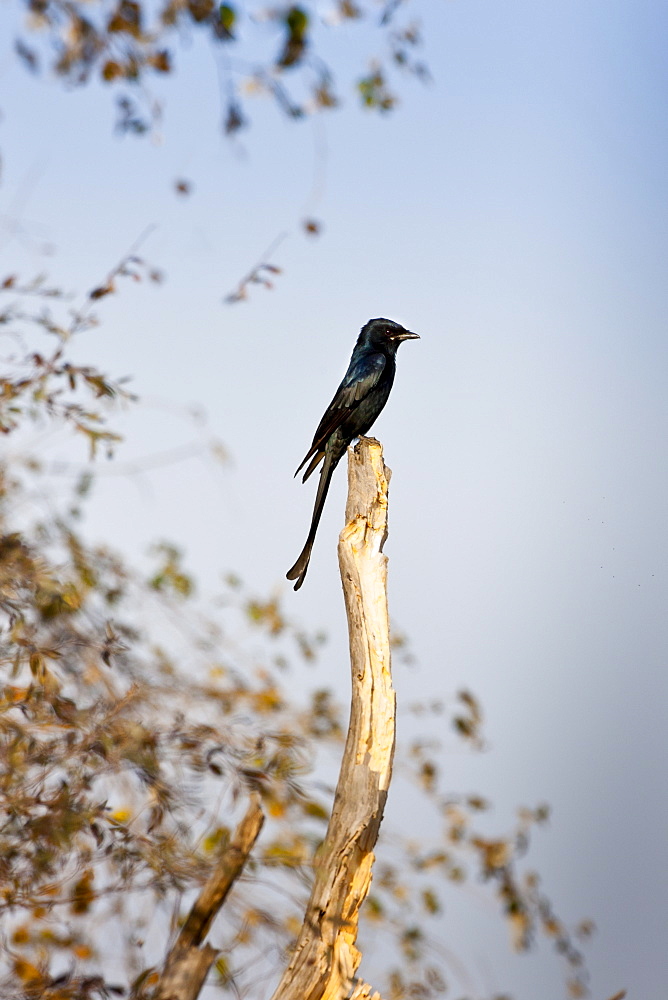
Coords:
pixel 406 335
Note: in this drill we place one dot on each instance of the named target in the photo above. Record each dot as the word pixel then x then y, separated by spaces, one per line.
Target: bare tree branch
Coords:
pixel 187 964
pixel 325 959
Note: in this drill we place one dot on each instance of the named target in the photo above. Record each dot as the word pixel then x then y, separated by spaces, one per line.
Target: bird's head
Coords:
pixel 385 333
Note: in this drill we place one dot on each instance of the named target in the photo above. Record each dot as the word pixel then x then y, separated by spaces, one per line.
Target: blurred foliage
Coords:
pixel 135 718
pixel 136 714
pixel 272 50
pixel 43 384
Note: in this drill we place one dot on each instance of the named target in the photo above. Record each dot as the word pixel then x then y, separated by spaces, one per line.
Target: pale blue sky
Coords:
pixel 514 213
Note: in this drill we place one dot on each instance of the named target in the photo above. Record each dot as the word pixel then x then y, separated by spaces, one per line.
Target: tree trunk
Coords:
pixel 325 958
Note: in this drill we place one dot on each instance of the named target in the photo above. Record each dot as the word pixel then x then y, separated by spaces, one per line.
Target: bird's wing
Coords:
pixel 362 376
pixel 359 380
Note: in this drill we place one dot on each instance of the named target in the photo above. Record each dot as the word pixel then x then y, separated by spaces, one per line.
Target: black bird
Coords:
pixel 358 401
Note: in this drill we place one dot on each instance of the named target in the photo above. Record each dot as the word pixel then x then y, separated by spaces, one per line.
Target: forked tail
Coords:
pixel 298 571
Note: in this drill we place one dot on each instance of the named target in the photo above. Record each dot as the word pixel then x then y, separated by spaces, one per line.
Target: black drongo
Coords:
pixel 358 401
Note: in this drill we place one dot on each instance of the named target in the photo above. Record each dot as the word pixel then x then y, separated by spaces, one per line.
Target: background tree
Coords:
pixel 134 727
pixel 40 372
pixel 127 43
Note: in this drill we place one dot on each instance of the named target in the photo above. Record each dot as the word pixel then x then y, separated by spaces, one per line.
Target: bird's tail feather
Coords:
pixel 315 461
pixel 316 456
pixel 298 571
